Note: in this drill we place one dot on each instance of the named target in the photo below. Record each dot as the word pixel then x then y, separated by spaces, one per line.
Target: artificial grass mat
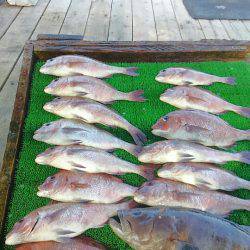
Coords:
pixel 143 115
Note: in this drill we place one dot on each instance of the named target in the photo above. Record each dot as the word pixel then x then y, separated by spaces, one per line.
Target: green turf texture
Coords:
pixel 143 115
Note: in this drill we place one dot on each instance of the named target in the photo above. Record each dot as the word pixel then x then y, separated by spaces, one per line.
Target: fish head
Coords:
pixel 135 226
pixel 169 75
pixel 162 126
pixel 49 155
pixel 46 131
pixel 56 104
pixel 53 87
pixel 173 95
pixel 55 66
pixel 22 229
pixel 52 185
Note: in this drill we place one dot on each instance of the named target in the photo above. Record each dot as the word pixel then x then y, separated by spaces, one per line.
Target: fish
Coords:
pixel 189 97
pixel 166 228
pixel 72 132
pixel 203 175
pixel 92 112
pixel 91 88
pixel 200 127
pixel 70 65
pixel 186 76
pixel 78 243
pixel 163 192
pixel 62 221
pixel 67 186
pixel 184 151
pixel 86 159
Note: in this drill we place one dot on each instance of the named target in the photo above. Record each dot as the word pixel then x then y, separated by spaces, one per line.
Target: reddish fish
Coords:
pixel 91 160
pixel 203 175
pixel 92 88
pixel 199 126
pixel 92 112
pixel 70 65
pixel 62 221
pixel 184 151
pixel 185 76
pixel 79 243
pixel 71 132
pixel 162 192
pixel 188 97
pixel 67 186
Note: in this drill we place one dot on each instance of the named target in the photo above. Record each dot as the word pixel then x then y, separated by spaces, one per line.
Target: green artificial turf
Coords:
pixel 143 115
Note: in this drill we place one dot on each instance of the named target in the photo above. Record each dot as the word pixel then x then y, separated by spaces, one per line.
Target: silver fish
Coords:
pixel 188 97
pixel 61 221
pixel 69 65
pixel 70 132
pixel 166 228
pixel 203 175
pixel 185 76
pixel 163 192
pixel 184 151
pixel 92 88
pixel 92 112
pixel 199 126
pixel 91 160
pixel 67 186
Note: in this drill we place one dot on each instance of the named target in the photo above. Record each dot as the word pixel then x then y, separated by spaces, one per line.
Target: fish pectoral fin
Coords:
pixel 186 157
pixel 77 167
pixel 183 245
pixel 195 129
pixel 202 183
pixel 75 185
pixel 81 93
pixel 78 117
pixel 195 99
pixel 71 130
pixel 187 83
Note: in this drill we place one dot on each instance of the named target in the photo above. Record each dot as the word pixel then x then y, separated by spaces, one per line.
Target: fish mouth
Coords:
pixel 48 89
pixel 159 78
pixel 43 69
pixel 158 132
pixel 39 159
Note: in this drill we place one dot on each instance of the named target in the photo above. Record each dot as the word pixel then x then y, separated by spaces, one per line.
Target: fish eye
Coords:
pixel 52 178
pixel 20 221
pixel 165 118
pixel 164 70
pixel 47 124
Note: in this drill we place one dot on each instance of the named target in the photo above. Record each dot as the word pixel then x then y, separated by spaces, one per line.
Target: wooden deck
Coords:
pixel 102 20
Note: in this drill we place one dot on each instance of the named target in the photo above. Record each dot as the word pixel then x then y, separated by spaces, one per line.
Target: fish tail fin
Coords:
pixel 138 136
pixel 136 96
pixel 241 111
pixel 242 204
pixel 147 172
pixel 244 134
pixel 244 184
pixel 243 157
pixel 228 80
pixel 131 71
pixel 133 149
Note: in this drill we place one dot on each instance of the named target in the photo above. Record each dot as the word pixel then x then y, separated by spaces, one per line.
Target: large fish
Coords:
pixel 163 192
pixel 68 132
pixel 203 175
pixel 92 88
pixel 61 221
pixel 67 186
pixel 165 228
pixel 69 65
pixel 199 126
pixel 92 112
pixel 79 243
pixel 91 160
pixel 188 97
pixel 185 76
pixel 184 151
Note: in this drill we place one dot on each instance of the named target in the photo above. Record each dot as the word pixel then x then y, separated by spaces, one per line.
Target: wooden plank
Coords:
pixel 7 15
pixel 219 30
pixel 247 24
pixel 98 22
pixel 228 27
pixel 166 23
pixel 207 29
pixel 143 21
pixel 12 42
pixel 121 21
pixel 14 137
pixel 240 30
pixel 76 19
pixel 7 98
pixel 52 18
pixel 190 29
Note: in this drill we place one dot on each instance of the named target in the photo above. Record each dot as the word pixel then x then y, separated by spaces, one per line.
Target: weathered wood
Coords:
pixel 14 137
pixel 143 21
pixel 121 21
pixel 98 22
pixel 207 29
pixel 166 24
pixel 240 30
pixel 58 37
pixel 219 30
pixel 76 18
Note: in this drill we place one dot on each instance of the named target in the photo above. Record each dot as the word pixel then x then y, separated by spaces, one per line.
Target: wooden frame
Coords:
pixel 47 46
